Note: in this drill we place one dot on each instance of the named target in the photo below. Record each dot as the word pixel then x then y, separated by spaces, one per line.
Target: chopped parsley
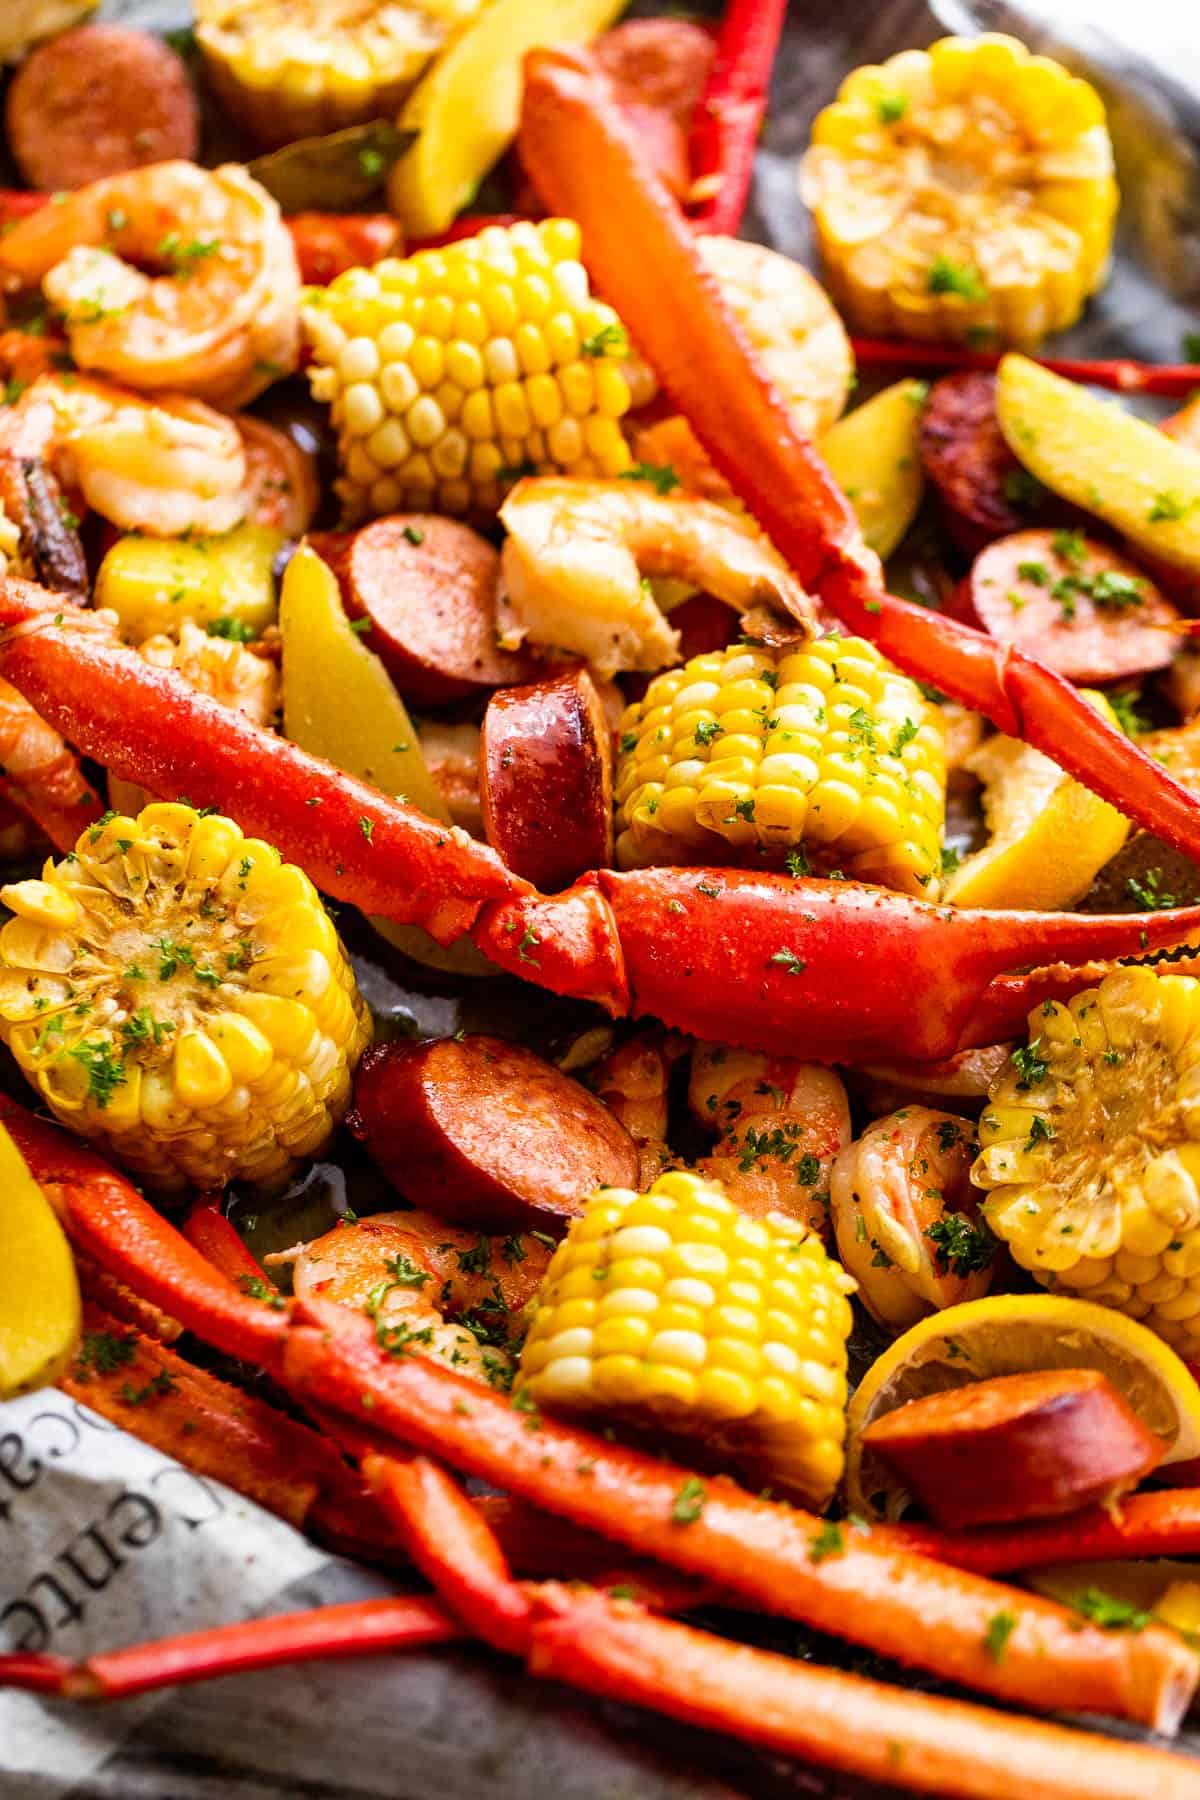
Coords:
pixel 103 1351
pixel 829 1541
pixel 1167 507
pixel 227 626
pixel 1000 1628
pixel 413 534
pixel 105 1070
pixel 707 730
pixel 185 255
pixel 788 961
pixel 689 1501
pixel 661 476
pixel 609 340
pixel 1108 1612
pixel 808 1170
pixel 1032 1068
pixel 962 1245
pixel 1040 1132
pixel 1148 892
pixel 891 108
pixel 963 279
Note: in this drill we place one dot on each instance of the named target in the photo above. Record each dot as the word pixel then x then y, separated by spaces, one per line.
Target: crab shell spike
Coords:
pixel 356 843
pixel 587 162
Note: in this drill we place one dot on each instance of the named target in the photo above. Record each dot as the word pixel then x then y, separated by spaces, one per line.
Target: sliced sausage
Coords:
pixel 96 101
pixel 1076 605
pixel 659 68
pixel 983 491
pixel 281 478
pixel 428 586
pixel 546 779
pixel 486 1134
pixel 327 244
pixel 1017 1447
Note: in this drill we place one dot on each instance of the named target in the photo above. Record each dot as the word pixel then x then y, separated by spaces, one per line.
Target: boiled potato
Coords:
pixel 154 584
pixel 873 456
pixel 1104 459
pixel 465 110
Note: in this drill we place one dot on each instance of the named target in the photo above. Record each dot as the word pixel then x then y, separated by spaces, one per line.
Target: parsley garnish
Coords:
pixel 788 961
pixel 689 1501
pixel 1000 1628
pixel 964 279
pixel 1032 1068
pixel 609 340
pixel 661 476
pixel 962 1245
pixel 105 1070
pixel 1108 1612
pixel 829 1541
pixel 236 630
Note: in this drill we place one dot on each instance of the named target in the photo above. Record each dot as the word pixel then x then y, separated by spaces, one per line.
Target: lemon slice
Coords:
pixel 1013 1334
pixel 39 1295
pixel 1050 836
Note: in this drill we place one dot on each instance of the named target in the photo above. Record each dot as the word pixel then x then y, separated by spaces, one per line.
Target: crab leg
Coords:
pixel 826 971
pixel 90 687
pixel 587 163
pixel 1157 1524
pixel 359 1628
pixel 904 1606
pixel 210 1231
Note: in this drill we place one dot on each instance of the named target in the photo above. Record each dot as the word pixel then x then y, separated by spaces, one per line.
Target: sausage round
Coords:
pixel 658 68
pixel 96 101
pixel 982 489
pixel 487 1134
pixel 546 779
pixel 428 586
pixel 1016 1447
pixel 1075 604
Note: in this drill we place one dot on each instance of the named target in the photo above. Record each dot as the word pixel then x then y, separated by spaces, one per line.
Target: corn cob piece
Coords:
pixel 965 192
pixel 674 1311
pixel 177 992
pixel 824 754
pixel 453 372
pixel 288 69
pixel 1090 1147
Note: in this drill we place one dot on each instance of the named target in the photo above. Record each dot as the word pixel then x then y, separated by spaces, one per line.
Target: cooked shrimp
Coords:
pixel 633 1081
pixel 164 466
pixel 451 754
pixel 41 776
pixel 782 1123
pixel 413 1273
pixel 221 667
pixel 578 550
pixel 219 323
pixel 280 488
pixel 906 1218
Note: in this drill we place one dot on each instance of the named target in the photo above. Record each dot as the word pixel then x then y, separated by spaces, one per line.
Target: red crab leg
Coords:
pixel 106 1216
pixel 360 1628
pixel 841 1721
pixel 730 113
pixel 40 775
pixel 827 971
pixel 207 1228
pixel 904 1606
pixel 1124 374
pixel 588 164
pixel 90 687
pixel 1157 1524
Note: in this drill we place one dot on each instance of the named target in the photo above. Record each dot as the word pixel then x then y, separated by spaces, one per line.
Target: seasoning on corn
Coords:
pixel 287 69
pixel 1090 1145
pixel 454 372
pixel 672 1310
pixel 824 751
pixel 963 192
pixel 176 991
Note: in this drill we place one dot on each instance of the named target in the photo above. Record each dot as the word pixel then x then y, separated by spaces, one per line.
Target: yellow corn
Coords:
pixel 1090 1145
pixel 453 372
pixel 177 992
pixel 673 1310
pixel 287 69
pixel 825 750
pixel 964 192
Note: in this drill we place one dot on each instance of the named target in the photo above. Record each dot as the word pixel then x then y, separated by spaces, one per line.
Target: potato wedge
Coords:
pixel 1091 452
pixel 153 584
pixel 465 110
pixel 873 456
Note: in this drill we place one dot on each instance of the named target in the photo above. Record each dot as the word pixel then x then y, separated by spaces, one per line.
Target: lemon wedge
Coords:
pixel 1050 836
pixel 1013 1334
pixel 39 1295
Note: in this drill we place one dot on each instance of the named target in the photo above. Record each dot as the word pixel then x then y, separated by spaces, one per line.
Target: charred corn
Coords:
pixel 287 69
pixel 825 752
pixel 454 372
pixel 177 992
pixel 674 1311
pixel 1090 1149
pixel 963 192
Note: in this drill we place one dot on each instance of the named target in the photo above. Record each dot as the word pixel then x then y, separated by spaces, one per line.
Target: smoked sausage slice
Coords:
pixel 1016 1447
pixel 1079 607
pixel 546 779
pixel 99 100
pixel 486 1134
pixel 983 492
pixel 428 586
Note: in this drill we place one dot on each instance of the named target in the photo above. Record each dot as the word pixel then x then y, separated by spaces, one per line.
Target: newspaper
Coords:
pixel 105 1542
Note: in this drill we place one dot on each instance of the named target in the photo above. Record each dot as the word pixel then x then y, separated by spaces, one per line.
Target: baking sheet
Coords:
pixel 105 1542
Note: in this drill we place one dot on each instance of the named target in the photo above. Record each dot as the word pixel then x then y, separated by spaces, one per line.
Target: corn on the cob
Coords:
pixel 827 747
pixel 453 372
pixel 963 192
pixel 178 992
pixel 287 69
pixel 672 1310
pixel 1090 1145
